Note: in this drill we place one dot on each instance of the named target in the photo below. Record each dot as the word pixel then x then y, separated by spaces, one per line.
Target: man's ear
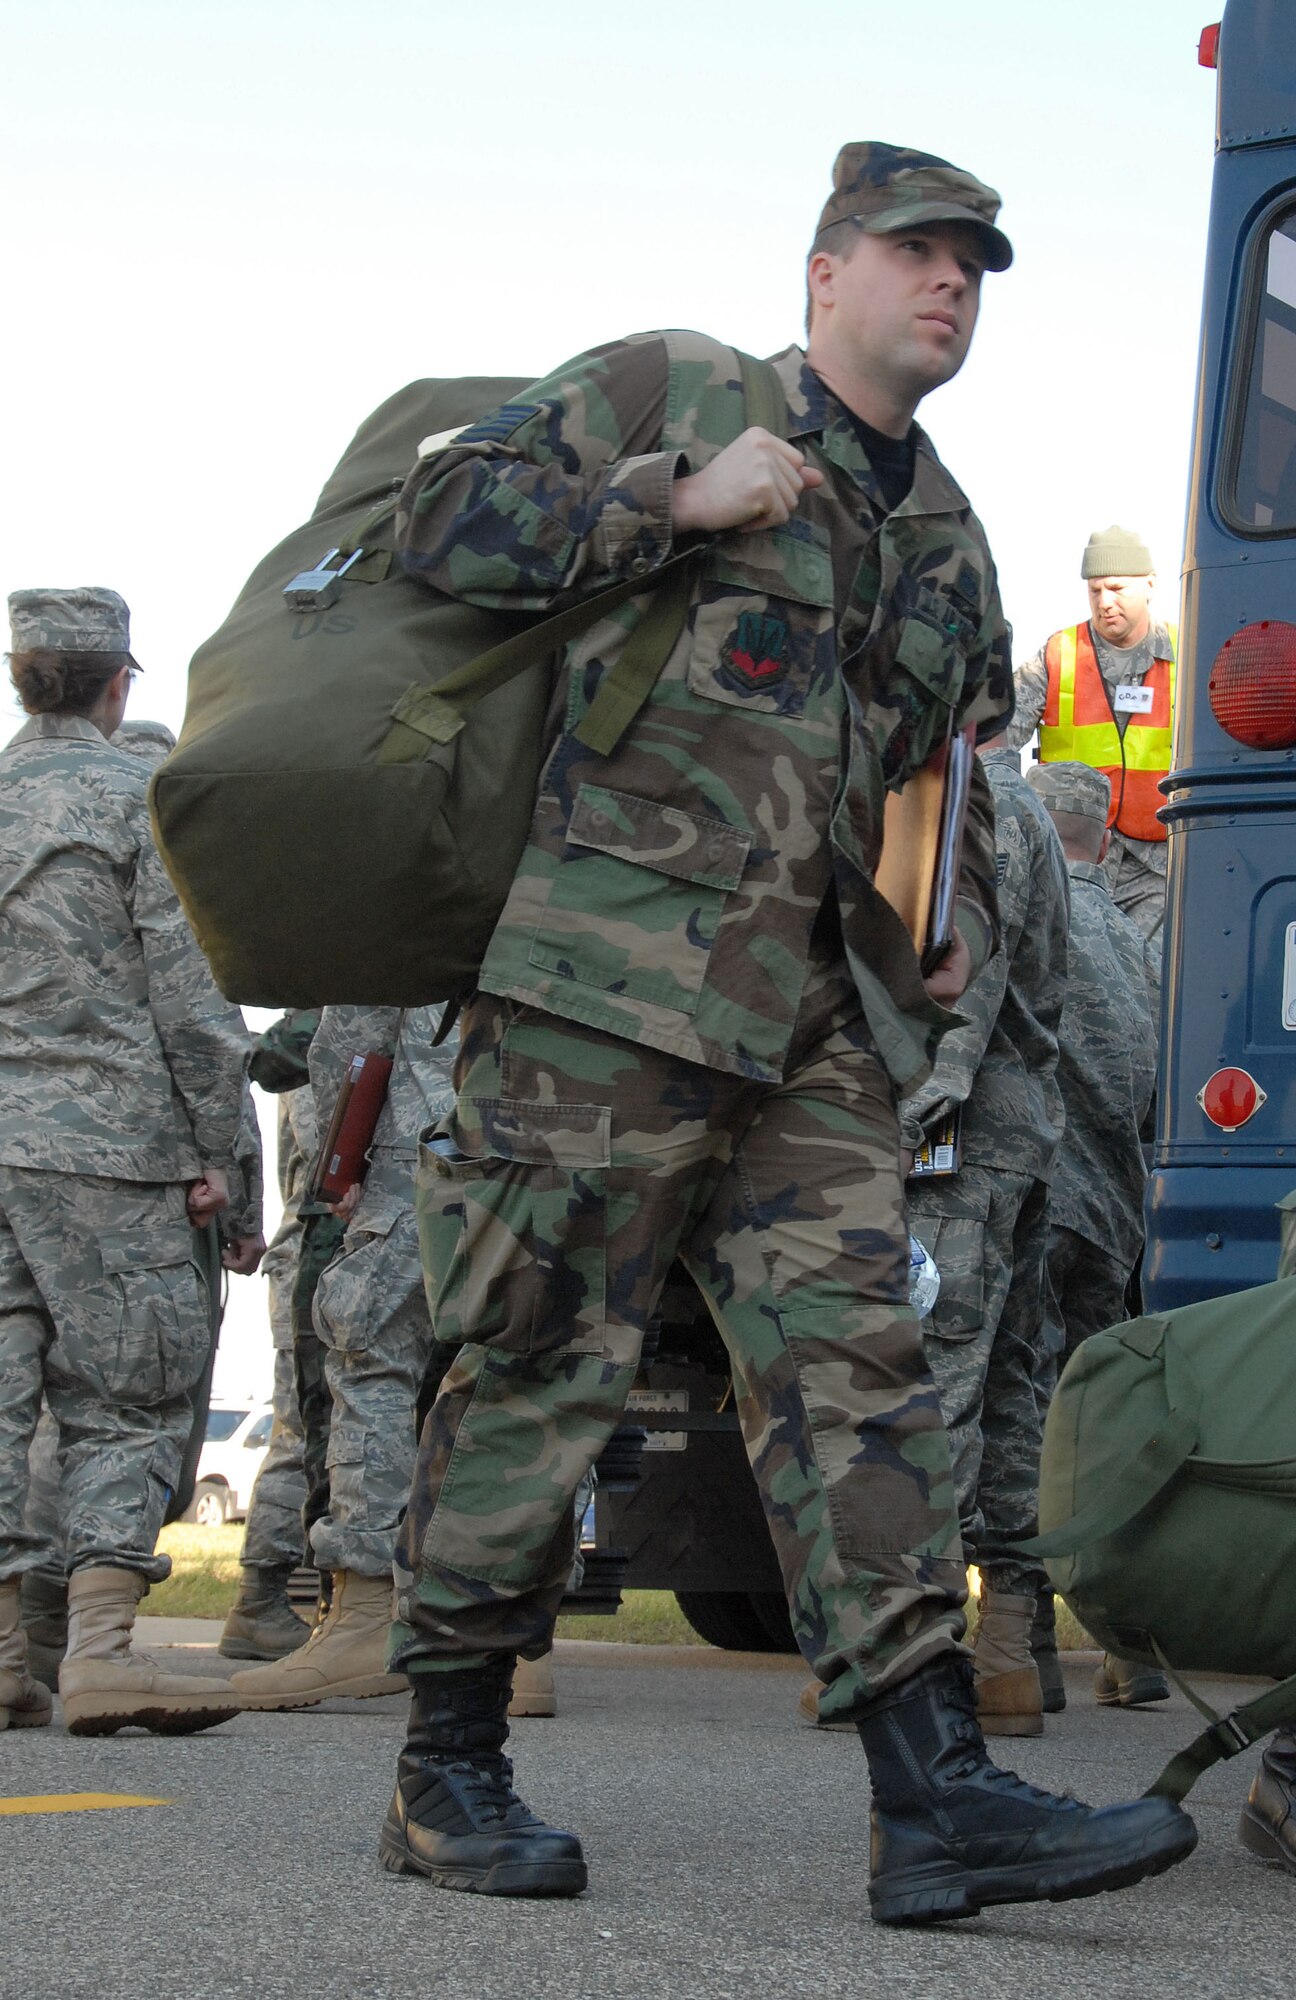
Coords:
pixel 1106 843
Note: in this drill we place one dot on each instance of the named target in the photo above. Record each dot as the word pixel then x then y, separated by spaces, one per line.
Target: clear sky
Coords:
pixel 229 230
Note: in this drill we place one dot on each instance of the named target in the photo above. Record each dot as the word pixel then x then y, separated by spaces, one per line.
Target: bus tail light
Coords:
pixel 1208 47
pixel 1252 685
pixel 1230 1097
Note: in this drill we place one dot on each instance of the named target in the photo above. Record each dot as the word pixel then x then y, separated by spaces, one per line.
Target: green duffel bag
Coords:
pixel 350 796
pixel 1168 1500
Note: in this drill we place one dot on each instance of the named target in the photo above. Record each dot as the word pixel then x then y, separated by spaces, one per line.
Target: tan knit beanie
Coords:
pixel 1115 552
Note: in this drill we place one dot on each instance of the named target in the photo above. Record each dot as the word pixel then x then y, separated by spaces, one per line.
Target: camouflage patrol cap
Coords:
pixel 1071 788
pixel 89 620
pixel 885 188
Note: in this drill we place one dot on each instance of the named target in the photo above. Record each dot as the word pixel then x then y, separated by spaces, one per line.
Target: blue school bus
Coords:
pixel 1225 1149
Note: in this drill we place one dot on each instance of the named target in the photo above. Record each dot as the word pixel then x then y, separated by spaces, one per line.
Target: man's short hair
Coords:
pixel 1079 831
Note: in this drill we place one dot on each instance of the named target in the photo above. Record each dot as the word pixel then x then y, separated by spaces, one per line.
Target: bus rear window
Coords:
pixel 1264 486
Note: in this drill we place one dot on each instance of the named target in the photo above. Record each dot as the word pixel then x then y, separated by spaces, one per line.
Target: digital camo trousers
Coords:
pixel 987 1232
pixel 43 1514
pixel 103 1312
pixel 579 1166
pixel 371 1315
pixel 1088 1288
pixel 273 1538
pixel 321 1240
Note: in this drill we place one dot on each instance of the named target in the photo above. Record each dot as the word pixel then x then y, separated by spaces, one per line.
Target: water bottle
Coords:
pixel 924 1279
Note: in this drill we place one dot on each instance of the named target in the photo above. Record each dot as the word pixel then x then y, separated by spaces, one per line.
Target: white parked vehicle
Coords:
pixel 238 1436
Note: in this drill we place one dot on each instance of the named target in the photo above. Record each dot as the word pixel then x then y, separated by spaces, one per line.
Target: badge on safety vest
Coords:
pixel 1131 699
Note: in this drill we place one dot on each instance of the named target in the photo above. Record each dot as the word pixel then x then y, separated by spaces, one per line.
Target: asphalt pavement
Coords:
pixel 726 1841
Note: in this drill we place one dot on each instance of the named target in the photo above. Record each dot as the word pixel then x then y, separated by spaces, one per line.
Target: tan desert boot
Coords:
pixel 24 1703
pixel 1008 1694
pixel 104 1686
pixel 345 1656
pixel 533 1687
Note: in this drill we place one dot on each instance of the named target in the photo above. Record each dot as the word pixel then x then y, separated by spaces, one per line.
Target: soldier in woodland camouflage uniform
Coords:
pixel 1107 1073
pixel 121 1070
pixel 371 1316
pixel 262 1624
pixel 694 1015
pixel 986 1227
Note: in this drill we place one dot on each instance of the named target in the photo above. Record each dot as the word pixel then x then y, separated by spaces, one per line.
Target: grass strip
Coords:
pixel 204 1582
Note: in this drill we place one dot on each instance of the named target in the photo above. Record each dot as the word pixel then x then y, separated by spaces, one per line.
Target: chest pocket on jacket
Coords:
pixel 915 695
pixel 636 902
pixel 763 634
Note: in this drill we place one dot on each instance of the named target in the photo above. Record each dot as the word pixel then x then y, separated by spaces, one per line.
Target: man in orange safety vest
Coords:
pixel 1102 693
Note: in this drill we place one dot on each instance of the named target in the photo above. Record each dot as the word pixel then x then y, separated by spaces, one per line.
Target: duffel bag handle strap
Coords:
pixel 1226 1735
pixel 1127 1493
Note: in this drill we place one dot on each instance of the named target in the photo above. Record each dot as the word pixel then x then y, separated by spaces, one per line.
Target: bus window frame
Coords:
pixel 1242 363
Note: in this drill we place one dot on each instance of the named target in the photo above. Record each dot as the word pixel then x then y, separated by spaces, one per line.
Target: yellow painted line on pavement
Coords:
pixel 61 1802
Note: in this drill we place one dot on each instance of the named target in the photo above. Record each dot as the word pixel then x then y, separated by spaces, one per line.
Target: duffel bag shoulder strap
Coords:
pixel 1225 1736
pixel 628 683
pixel 437 714
pixel 763 400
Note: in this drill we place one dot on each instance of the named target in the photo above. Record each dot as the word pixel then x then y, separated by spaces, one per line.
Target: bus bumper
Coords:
pixel 1211 1230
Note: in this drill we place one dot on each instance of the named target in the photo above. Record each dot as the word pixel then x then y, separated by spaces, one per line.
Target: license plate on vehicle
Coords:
pixel 660 1399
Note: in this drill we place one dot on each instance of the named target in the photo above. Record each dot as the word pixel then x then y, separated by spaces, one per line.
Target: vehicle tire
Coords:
pixel 210 1507
pixel 771 1610
pixel 725 1618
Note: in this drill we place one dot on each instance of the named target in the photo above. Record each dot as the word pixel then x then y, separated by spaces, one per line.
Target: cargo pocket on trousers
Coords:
pixel 163 1331
pixel 875 1428
pixel 353 1292
pixel 955 1242
pixel 513 1241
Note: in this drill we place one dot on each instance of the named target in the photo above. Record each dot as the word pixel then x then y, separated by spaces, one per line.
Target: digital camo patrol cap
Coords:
pixel 1071 788
pixel 884 188
pixel 89 620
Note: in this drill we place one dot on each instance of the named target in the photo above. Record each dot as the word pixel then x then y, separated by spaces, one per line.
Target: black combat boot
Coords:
pixel 951 1832
pixel 1043 1645
pixel 1268 1823
pixel 454 1815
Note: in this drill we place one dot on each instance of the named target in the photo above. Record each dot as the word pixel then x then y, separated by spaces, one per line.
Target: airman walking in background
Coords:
pixel 261 1624
pixel 121 1072
pixel 371 1316
pixel 986 1228
pixel 1106 1071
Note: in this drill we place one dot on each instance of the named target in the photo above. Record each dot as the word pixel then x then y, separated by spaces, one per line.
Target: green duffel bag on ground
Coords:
pixel 354 781
pixel 1168 1501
